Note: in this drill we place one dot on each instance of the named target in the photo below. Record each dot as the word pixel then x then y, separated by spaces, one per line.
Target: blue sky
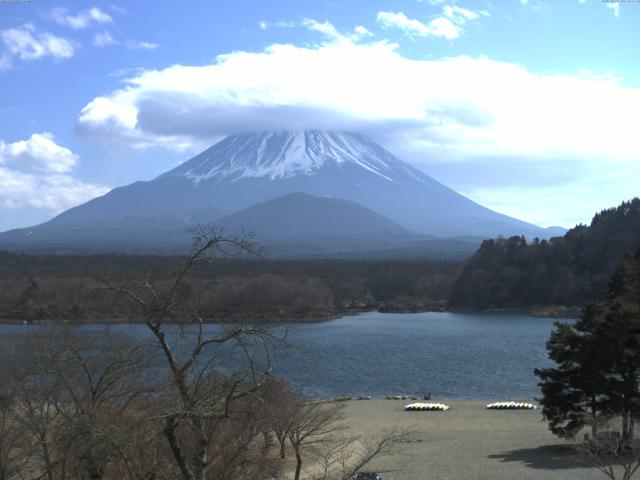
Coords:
pixel 528 107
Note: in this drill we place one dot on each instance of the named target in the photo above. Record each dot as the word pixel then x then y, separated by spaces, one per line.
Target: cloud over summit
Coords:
pixel 454 107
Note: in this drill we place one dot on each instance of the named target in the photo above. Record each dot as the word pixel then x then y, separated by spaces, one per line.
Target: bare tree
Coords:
pixel 312 424
pixel 101 378
pixel 75 398
pixel 613 455
pixel 201 397
pixel 343 458
pixel 280 405
pixel 37 398
pixel 14 445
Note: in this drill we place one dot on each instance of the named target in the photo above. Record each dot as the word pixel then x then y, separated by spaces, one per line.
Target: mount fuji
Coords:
pixel 382 193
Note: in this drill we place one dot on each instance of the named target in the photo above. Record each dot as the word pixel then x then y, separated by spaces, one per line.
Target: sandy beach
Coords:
pixel 469 442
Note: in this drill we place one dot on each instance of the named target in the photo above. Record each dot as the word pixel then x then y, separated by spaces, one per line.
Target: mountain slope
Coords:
pixel 296 225
pixel 298 215
pixel 245 170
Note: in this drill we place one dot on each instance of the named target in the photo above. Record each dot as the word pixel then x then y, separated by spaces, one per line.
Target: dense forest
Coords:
pixel 76 288
pixel 505 273
pixel 568 271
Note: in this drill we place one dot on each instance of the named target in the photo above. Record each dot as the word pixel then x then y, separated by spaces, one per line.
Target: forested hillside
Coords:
pixel 72 288
pixel 568 270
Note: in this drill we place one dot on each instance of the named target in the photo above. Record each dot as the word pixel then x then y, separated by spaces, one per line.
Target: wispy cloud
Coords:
pixel 103 39
pixel 141 45
pixel 325 28
pixel 279 24
pixel 437 27
pixel 25 43
pixel 449 24
pixel 119 9
pixel 81 20
pixel 5 62
pixel 615 6
pixel 537 6
pixel 328 30
pixel 461 15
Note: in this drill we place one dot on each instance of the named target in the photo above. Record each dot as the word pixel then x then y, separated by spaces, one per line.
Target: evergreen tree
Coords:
pixel 625 281
pixel 574 393
pixel 598 361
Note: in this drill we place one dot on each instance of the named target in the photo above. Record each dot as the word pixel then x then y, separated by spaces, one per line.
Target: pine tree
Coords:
pixel 574 393
pixel 598 361
pixel 625 281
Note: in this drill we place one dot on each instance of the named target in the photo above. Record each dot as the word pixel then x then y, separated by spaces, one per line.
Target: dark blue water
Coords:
pixel 452 356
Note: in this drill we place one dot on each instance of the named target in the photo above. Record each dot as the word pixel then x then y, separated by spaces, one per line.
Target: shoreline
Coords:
pixel 558 312
pixel 419 399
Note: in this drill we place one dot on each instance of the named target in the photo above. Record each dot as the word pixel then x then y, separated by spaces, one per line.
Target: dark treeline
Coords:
pixel 50 287
pixel 570 270
pixel 505 273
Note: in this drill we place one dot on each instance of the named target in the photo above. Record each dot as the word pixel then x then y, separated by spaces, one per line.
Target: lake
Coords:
pixel 451 355
pixel 454 356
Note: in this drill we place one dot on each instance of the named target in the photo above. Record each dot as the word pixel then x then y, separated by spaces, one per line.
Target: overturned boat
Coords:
pixel 426 407
pixel 511 406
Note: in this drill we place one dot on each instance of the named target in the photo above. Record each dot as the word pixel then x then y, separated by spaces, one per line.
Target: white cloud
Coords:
pixel 52 192
pixel 103 38
pixel 279 24
pixel 449 24
pixel 615 7
pixel 325 28
pixel 81 20
pixel 119 9
pixel 36 173
pixel 437 27
pixel 5 62
pixel 142 45
pixel 460 15
pixel 362 31
pixel 39 152
pixel 461 104
pixel 26 43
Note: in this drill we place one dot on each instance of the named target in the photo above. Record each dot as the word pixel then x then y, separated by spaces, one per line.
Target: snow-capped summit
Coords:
pixel 278 155
pixel 225 182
